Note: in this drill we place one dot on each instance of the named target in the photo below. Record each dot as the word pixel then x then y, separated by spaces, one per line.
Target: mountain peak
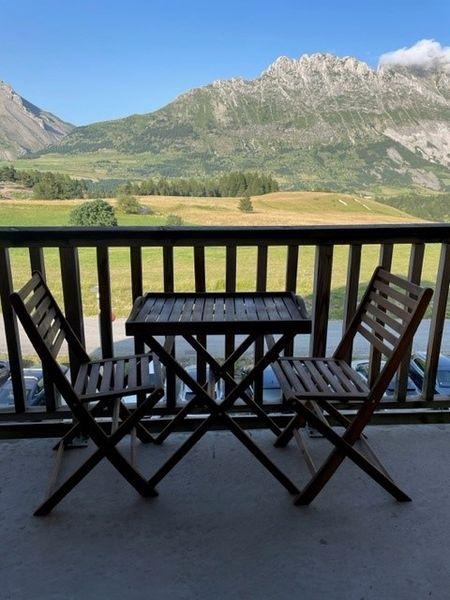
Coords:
pixel 319 117
pixel 24 127
pixel 318 61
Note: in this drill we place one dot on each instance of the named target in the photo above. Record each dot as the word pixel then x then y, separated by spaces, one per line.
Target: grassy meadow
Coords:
pixel 281 208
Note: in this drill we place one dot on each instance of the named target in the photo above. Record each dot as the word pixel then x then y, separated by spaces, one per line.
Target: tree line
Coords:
pixel 433 207
pixel 236 183
pixel 52 186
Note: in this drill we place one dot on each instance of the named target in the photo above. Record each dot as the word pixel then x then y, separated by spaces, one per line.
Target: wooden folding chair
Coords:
pixel 99 387
pixel 387 317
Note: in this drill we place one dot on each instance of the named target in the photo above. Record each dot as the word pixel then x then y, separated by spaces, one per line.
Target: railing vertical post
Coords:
pixel 11 332
pixel 352 289
pixel 321 300
pixel 136 292
pixel 104 291
pixel 137 289
pixel 169 286
pixel 386 253
pixel 230 286
pixel 291 282
pixel 73 307
pixel 261 286
pixel 415 276
pixel 437 322
pixel 37 264
pixel 200 286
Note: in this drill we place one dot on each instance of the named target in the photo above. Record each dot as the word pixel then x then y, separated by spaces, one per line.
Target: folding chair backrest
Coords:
pixel 387 317
pixel 46 326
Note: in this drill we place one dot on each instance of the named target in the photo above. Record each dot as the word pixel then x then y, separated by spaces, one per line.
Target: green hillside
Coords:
pixel 319 122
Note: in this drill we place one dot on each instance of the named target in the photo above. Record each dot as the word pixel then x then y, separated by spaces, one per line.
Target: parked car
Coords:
pixel 186 394
pixel 417 371
pixel 362 367
pixel 34 385
pixel 4 371
pixel 271 392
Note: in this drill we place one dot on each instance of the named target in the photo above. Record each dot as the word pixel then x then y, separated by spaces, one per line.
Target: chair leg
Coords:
pixel 327 470
pixel 106 449
pixel 344 448
pixel 286 435
pixel 142 432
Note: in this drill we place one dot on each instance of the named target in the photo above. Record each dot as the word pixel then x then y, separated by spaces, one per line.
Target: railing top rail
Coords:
pixel 219 236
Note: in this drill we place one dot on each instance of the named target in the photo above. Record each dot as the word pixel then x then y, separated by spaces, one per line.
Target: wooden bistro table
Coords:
pixel 260 315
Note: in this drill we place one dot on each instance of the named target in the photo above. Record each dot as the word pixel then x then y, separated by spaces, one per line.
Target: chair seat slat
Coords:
pixel 145 374
pixel 93 381
pixel 331 376
pixel 106 376
pixel 81 379
pixel 132 372
pixel 119 375
pixel 316 376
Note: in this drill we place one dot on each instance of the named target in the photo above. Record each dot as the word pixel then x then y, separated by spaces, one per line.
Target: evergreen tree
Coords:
pixel 245 204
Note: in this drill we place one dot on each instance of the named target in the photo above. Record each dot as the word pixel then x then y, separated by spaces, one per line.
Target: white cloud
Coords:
pixel 423 55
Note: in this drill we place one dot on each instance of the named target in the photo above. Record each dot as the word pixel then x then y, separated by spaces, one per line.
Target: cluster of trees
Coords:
pixel 46 185
pixel 434 207
pixel 233 184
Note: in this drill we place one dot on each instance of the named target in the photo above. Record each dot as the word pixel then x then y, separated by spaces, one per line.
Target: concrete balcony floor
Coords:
pixel 222 527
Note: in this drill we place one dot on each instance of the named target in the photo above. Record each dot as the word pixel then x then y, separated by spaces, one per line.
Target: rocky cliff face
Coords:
pixel 319 118
pixel 25 127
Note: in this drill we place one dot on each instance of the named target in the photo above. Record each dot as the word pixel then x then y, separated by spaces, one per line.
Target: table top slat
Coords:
pixel 208 310
pixel 281 308
pixel 154 312
pixel 197 313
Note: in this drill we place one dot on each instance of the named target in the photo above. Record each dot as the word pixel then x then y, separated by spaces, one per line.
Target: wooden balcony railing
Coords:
pixel 25 249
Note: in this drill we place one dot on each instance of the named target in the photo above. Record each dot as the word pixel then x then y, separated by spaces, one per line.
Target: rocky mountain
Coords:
pixel 319 120
pixel 25 127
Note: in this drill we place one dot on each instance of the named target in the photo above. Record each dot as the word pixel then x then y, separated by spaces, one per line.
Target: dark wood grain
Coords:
pixel 321 299
pixel 12 332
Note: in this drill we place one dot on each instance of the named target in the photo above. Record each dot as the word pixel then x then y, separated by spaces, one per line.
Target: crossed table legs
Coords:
pixel 218 411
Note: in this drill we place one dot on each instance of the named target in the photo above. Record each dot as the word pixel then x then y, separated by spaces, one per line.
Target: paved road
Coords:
pixel 124 345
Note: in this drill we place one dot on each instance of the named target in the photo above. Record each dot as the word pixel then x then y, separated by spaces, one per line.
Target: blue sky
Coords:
pixel 90 61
